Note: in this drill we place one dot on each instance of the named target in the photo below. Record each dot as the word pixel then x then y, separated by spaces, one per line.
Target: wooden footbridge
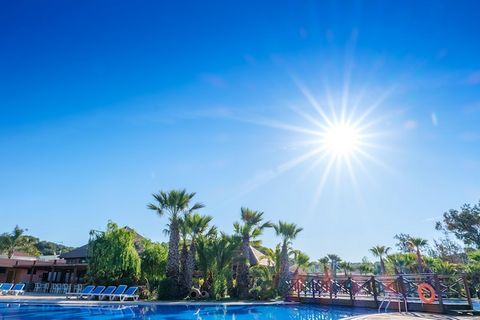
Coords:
pixel 384 292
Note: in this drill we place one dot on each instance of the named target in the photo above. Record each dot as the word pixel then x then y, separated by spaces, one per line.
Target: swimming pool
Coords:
pixel 178 312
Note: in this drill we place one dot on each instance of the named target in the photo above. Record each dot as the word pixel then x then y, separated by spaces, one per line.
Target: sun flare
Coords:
pixel 341 139
pixel 337 136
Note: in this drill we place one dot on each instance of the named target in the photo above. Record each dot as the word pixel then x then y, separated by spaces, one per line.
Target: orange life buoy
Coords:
pixel 426 287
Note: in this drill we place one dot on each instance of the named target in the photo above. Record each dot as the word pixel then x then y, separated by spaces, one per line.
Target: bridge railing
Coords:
pixel 448 289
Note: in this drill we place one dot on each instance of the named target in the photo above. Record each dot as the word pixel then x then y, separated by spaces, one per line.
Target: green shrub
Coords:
pixel 166 289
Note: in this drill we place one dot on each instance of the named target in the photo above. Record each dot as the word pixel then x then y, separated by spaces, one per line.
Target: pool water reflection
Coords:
pixel 178 312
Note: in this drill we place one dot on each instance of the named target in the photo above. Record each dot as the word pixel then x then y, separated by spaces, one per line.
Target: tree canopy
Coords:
pixel 113 258
pixel 463 223
pixel 18 241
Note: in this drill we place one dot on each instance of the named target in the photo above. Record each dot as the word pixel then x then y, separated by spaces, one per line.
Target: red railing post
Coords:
pixel 438 289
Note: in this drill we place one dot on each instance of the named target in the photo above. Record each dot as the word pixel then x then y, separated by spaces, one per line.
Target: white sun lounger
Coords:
pixel 6 287
pixel 87 290
pixel 117 293
pixel 129 294
pixel 96 292
pixel 106 293
pixel 17 289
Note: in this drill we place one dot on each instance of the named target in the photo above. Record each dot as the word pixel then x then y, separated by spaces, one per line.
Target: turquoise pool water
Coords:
pixel 217 312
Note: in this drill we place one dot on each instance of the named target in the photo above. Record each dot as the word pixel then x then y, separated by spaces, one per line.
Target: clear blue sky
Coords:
pixel 103 103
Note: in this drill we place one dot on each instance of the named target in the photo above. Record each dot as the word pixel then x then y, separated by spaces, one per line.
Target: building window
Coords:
pixel 3 270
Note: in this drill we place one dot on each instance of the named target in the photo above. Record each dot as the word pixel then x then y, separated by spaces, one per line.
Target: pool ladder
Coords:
pixel 393 296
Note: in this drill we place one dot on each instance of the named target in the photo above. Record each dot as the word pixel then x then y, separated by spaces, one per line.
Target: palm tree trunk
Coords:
pixel 184 289
pixel 284 279
pixel 419 261
pixel 382 266
pixel 173 259
pixel 333 268
pixel 325 271
pixel 190 263
pixel 243 270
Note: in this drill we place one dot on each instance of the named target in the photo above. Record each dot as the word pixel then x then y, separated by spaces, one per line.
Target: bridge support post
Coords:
pixel 467 290
pixel 438 289
pixel 373 285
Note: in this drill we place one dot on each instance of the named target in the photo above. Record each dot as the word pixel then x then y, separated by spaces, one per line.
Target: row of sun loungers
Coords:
pixel 10 288
pixel 120 293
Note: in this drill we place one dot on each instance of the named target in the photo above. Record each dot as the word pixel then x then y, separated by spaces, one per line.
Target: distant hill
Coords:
pixel 48 248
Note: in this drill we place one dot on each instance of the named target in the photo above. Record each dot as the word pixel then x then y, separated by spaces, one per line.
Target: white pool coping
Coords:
pixel 61 300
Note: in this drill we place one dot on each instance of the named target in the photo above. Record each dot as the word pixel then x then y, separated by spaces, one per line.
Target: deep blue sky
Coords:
pixel 104 102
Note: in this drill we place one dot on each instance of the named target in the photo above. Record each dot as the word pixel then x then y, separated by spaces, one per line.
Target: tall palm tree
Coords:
pixel 251 227
pixel 417 244
pixel 288 232
pixel 334 261
pixel 380 252
pixel 17 241
pixel 175 203
pixel 184 233
pixel 197 225
pixel 324 262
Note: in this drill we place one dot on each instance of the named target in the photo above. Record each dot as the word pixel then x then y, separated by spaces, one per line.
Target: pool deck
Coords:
pixel 61 300
pixel 409 316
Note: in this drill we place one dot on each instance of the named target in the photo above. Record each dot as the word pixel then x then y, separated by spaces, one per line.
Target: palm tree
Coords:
pixel 366 266
pixel 215 254
pixel 334 260
pixel 324 262
pixel 402 262
pixel 346 267
pixel 301 259
pixel 224 248
pixel 251 227
pixel 379 252
pixel 174 203
pixel 197 225
pixel 17 241
pixel 184 232
pixel 417 244
pixel 288 232
pixel 274 259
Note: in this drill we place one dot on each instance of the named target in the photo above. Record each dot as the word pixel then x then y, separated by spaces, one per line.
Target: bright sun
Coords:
pixel 341 139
